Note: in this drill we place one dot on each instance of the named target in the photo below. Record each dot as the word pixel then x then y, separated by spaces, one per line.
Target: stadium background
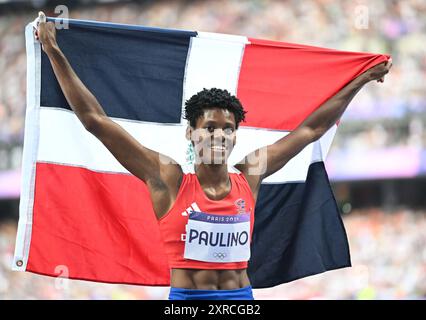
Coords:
pixel 377 163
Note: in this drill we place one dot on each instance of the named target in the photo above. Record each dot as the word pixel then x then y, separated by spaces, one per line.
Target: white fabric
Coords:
pixel 31 143
pixel 213 62
pixel 64 140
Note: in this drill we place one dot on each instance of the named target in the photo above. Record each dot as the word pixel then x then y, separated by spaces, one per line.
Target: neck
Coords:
pixel 212 174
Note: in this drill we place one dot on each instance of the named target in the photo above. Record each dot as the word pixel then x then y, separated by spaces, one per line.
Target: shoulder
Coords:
pixel 253 181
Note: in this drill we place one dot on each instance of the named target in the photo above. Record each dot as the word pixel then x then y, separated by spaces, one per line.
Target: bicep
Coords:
pixel 142 162
pixel 280 152
pixel 265 161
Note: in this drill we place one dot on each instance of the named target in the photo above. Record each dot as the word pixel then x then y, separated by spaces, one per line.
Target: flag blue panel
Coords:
pixel 298 231
pixel 135 72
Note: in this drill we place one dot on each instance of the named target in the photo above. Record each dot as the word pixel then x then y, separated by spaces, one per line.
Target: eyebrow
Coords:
pixel 214 122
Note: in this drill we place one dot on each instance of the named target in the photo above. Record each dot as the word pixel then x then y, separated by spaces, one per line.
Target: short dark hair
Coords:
pixel 213 98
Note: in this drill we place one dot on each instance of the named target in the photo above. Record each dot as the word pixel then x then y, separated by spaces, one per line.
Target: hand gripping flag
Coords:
pixel 81 209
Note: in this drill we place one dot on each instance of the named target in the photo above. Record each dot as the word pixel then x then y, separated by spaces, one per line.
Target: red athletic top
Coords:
pixel 191 197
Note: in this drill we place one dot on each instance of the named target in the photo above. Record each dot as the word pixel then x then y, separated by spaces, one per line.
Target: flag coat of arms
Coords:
pixel 81 209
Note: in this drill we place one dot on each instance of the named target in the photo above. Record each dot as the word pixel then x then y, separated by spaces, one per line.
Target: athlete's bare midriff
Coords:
pixel 209 279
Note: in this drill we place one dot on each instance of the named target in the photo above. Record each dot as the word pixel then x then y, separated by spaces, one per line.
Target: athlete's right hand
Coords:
pixel 45 32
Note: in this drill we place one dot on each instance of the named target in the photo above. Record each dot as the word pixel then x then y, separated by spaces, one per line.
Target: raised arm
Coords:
pixel 273 157
pixel 161 174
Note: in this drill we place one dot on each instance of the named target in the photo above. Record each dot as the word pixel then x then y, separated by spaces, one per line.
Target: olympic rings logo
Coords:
pixel 219 255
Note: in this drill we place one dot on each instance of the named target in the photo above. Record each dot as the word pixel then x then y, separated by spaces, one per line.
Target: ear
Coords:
pixel 188 133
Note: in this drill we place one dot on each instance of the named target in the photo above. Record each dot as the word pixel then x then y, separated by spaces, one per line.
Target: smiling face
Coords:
pixel 214 136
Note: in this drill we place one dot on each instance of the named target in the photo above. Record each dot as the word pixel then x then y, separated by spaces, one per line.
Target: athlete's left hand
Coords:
pixel 378 72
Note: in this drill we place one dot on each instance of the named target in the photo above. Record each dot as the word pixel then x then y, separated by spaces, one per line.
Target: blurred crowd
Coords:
pixel 388 255
pixel 388 251
pixel 383 26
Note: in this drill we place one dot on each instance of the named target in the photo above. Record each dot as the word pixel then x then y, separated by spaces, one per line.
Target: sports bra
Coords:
pixel 201 233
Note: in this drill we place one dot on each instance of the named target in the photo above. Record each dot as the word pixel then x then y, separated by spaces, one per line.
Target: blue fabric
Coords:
pixel 135 73
pixel 245 293
pixel 298 231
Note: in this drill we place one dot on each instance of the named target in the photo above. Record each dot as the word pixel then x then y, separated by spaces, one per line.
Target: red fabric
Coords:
pixel 172 225
pixel 115 240
pixel 280 83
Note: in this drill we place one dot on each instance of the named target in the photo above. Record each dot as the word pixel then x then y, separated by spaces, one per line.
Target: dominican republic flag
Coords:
pixel 82 212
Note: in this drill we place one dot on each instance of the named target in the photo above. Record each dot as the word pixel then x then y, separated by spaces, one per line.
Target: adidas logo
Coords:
pixel 192 207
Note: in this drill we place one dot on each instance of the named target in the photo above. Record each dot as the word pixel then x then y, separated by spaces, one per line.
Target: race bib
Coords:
pixel 217 238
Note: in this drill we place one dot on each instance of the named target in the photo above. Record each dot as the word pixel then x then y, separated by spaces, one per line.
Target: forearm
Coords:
pixel 81 100
pixel 331 111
